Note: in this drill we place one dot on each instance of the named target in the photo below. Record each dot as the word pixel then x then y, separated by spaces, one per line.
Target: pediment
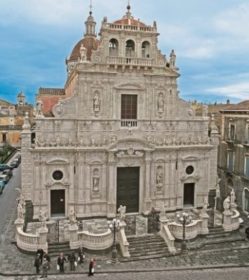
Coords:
pixel 129 86
pixel 190 158
pixel 128 143
pixel 57 161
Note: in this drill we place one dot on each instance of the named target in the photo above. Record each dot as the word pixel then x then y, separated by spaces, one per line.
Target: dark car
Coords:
pixel 4 167
pixel 8 172
pixel 2 186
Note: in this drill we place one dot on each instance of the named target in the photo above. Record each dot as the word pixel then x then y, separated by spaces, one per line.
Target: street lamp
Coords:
pixel 184 218
pixel 114 227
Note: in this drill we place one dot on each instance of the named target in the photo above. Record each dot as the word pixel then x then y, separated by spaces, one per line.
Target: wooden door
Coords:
pixel 189 194
pixel 128 188
pixel 57 202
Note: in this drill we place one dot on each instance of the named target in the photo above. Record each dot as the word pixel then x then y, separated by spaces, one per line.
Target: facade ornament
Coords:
pixel 122 212
pixel 160 103
pixel 159 177
pixel 72 217
pixel 83 51
pixel 172 59
pixel 20 211
pixel 42 218
pixel 96 180
pixel 96 103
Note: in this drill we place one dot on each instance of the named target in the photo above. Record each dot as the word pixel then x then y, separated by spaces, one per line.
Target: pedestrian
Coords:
pixel 91 267
pixel 60 262
pixel 41 254
pixel 72 261
pixel 81 255
pixel 37 263
pixel 44 268
pixel 47 257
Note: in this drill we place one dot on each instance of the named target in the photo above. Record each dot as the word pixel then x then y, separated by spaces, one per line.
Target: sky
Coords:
pixel 210 38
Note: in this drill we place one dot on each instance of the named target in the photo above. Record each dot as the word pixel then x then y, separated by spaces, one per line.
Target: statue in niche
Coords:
pixel 172 59
pixel 96 180
pixel 159 177
pixel 160 103
pixel 121 212
pixel 96 103
pixel 82 53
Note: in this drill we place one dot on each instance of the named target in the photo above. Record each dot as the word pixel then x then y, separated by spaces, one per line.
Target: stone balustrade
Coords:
pixel 31 242
pixel 133 61
pixel 168 238
pixel 124 244
pixel 191 230
pixel 231 220
pixel 93 241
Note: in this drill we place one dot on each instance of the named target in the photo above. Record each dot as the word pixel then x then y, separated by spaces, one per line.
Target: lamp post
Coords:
pixel 114 227
pixel 184 218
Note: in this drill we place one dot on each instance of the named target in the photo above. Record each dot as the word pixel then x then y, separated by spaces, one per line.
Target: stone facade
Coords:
pixel 233 161
pixel 94 131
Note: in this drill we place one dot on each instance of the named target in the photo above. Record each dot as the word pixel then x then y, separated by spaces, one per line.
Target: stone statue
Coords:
pixel 39 108
pixel 160 103
pixel 20 211
pixel 82 53
pixel 226 204
pixel 205 205
pixel 233 197
pixel 159 177
pixel 122 211
pixel 96 103
pixel 172 59
pixel 96 180
pixel 163 212
pixel 72 217
pixel 42 218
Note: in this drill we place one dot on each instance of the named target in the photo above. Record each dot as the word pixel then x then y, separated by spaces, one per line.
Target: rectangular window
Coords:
pixel 128 106
pixel 246 200
pixel 230 160
pixel 232 132
pixel 246 169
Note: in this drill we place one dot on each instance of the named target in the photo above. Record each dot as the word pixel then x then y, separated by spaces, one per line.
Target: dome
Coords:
pixel 90 43
pixel 129 21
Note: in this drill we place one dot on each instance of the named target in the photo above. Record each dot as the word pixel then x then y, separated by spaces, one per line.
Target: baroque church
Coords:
pixel 118 133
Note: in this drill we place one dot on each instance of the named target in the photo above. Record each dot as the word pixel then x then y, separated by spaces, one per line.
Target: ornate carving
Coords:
pixel 96 103
pixel 96 180
pixel 130 152
pixel 159 177
pixel 160 104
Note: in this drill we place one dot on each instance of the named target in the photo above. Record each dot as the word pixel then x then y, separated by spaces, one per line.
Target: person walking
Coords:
pixel 72 261
pixel 44 268
pixel 60 262
pixel 81 255
pixel 37 263
pixel 92 264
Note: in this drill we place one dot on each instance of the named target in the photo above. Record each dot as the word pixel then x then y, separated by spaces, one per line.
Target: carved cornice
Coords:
pixel 194 178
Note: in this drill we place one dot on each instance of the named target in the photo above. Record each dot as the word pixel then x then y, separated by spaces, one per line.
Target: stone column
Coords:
pixel 227 220
pixel 147 203
pixel 43 244
pixel 112 188
pixel 73 235
pixel 204 225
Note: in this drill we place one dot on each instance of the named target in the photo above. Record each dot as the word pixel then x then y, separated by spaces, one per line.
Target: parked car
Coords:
pixel 4 178
pixel 4 166
pixel 2 186
pixel 14 163
pixel 8 172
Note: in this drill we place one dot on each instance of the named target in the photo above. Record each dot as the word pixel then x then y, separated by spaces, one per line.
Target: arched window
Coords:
pixel 113 47
pixel 146 49
pixel 130 48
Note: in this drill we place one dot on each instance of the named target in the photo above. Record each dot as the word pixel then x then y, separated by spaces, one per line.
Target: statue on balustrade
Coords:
pixel 122 212
pixel 72 217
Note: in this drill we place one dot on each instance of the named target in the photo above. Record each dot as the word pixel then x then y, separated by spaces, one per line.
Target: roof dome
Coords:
pixel 90 43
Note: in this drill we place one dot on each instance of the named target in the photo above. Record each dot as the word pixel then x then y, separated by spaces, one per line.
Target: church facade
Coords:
pixel 119 134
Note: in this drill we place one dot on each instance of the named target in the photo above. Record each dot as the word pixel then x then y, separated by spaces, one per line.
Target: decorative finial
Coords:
pixel 128 6
pixel 91 7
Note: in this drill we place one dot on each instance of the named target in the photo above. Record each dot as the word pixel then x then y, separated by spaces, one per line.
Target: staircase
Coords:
pixel 146 247
pixel 55 249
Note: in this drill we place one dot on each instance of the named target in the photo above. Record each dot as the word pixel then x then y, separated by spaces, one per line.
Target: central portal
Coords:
pixel 128 188
pixel 57 203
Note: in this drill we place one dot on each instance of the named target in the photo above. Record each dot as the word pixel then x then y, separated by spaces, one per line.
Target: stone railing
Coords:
pixel 191 230
pixel 168 238
pixel 124 244
pixel 130 27
pixel 31 242
pixel 133 61
pixel 231 220
pixel 93 241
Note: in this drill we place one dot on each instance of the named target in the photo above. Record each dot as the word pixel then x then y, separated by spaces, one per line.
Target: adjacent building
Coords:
pixel 233 163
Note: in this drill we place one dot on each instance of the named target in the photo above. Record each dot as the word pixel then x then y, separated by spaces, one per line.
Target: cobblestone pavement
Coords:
pixel 13 262
pixel 217 274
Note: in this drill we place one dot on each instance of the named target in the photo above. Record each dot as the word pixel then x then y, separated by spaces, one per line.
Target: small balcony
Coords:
pixel 128 123
pixel 130 61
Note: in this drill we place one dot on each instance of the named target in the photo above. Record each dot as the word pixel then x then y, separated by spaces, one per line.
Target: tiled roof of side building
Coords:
pixel 242 106
pixel 51 91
